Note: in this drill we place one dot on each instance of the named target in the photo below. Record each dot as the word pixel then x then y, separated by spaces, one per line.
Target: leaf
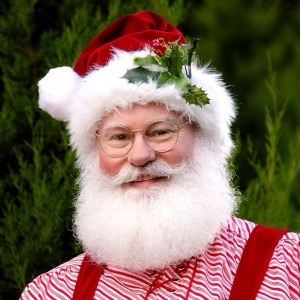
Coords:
pixel 146 61
pixel 173 61
pixel 168 78
pixel 164 61
pixel 164 78
pixel 140 74
pixel 195 95
pixel 176 59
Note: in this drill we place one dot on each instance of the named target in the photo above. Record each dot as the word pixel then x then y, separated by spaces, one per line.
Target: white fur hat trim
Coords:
pixel 83 101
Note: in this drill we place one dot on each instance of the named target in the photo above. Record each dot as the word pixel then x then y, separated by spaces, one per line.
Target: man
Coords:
pixel 154 214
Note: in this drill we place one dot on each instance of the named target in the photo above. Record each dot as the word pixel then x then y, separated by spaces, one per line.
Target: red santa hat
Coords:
pixel 96 85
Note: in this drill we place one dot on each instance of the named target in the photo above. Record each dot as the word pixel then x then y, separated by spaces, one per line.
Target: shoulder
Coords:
pixel 287 254
pixel 283 272
pixel 241 229
pixel 281 280
pixel 235 234
pixel 58 283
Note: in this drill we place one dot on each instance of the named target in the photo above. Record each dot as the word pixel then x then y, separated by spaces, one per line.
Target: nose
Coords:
pixel 140 153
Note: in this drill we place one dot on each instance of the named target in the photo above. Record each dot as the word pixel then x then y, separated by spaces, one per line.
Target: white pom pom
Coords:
pixel 56 91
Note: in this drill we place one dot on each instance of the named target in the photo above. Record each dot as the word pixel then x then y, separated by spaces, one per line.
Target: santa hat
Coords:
pixel 96 85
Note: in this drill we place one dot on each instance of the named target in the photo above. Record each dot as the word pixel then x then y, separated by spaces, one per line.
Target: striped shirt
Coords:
pixel 207 276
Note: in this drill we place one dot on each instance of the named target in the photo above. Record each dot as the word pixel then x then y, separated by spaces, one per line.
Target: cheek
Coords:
pixel 110 166
pixel 182 151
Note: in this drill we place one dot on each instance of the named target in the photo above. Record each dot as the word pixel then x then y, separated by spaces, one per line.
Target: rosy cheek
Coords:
pixel 173 157
pixel 182 151
pixel 110 166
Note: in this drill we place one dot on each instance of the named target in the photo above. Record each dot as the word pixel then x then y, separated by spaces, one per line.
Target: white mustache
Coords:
pixel 152 170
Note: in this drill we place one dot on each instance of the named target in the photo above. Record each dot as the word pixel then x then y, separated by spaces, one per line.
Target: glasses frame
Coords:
pixel 132 133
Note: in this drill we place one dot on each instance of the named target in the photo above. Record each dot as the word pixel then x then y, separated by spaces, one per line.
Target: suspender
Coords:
pixel 254 262
pixel 250 273
pixel 87 280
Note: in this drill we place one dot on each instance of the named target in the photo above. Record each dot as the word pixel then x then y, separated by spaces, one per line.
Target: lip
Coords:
pixel 145 181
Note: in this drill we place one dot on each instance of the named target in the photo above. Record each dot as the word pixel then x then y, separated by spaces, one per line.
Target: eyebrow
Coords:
pixel 127 127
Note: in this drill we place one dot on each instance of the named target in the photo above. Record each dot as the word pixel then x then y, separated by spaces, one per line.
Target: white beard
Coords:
pixel 152 228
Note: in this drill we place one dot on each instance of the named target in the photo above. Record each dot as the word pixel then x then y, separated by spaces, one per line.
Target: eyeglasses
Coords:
pixel 160 135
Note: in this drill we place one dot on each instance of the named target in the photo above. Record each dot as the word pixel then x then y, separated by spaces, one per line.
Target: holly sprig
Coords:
pixel 166 68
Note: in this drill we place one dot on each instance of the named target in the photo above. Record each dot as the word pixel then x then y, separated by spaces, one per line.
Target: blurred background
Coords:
pixel 254 44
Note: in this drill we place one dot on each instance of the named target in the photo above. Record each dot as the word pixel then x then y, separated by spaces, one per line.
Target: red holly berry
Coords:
pixel 159 46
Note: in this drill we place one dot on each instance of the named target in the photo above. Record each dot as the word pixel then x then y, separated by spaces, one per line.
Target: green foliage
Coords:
pixel 37 173
pixel 268 195
pixel 32 234
pixel 37 166
pixel 168 65
pixel 235 38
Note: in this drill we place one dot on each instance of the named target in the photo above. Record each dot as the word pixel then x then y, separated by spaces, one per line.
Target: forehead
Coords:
pixel 138 115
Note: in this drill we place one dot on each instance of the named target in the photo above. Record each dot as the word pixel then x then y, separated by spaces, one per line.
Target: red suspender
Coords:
pixel 250 273
pixel 87 280
pixel 254 262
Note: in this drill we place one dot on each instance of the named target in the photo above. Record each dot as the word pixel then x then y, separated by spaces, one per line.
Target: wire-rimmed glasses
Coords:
pixel 160 135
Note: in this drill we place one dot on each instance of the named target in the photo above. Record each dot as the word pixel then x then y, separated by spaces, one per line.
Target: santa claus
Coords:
pixel 154 213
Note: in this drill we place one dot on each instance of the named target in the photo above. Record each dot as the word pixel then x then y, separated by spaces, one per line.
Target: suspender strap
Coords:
pixel 87 280
pixel 254 262
pixel 250 273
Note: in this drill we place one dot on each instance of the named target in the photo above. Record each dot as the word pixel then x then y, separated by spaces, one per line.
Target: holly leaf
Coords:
pixel 164 61
pixel 172 62
pixel 163 78
pixel 195 95
pixel 140 74
pixel 176 59
pixel 146 61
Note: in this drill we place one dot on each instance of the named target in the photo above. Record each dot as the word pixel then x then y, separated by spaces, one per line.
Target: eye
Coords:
pixel 117 136
pixel 159 132
pixel 120 137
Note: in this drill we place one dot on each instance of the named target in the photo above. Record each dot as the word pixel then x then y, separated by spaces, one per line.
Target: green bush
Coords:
pixel 269 195
pixel 38 175
pixel 37 166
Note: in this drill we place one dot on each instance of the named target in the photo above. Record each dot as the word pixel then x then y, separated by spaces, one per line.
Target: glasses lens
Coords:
pixel 162 135
pixel 116 141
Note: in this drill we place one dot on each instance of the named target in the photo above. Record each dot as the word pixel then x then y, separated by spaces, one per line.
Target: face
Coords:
pixel 148 210
pixel 141 154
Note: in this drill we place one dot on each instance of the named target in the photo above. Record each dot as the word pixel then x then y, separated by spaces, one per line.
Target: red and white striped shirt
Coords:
pixel 208 276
